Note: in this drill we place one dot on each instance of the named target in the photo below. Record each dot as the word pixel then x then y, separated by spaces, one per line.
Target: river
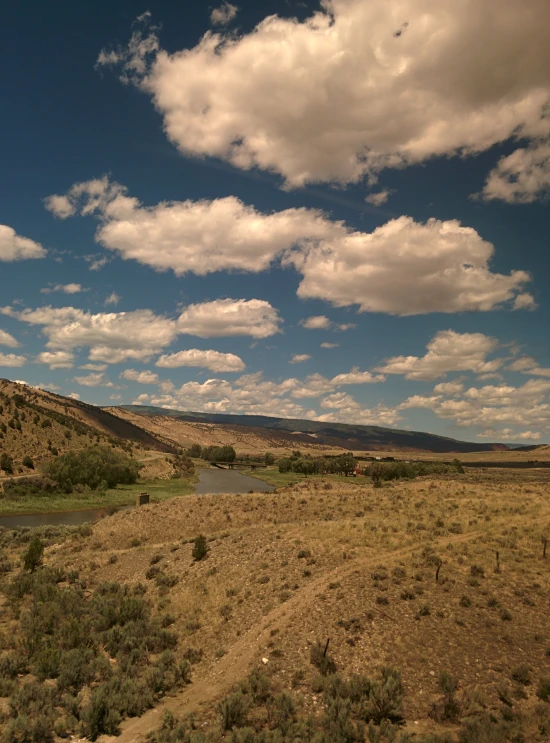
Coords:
pixel 210 482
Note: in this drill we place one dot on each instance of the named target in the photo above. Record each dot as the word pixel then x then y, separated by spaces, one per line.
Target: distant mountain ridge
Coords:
pixel 346 435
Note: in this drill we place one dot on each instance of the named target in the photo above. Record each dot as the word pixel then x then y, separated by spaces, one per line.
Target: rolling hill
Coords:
pixel 339 435
pixel 39 424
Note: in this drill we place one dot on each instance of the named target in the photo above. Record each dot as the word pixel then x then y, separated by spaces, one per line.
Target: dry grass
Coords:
pixel 355 564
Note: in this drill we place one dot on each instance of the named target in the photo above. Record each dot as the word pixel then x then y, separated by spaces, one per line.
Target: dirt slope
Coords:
pixel 38 424
pixel 245 439
pixel 351 563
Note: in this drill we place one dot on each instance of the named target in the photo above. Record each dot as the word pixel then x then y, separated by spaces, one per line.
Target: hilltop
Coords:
pixel 296 431
pixel 39 424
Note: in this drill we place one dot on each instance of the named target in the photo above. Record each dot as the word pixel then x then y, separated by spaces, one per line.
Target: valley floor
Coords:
pixel 343 561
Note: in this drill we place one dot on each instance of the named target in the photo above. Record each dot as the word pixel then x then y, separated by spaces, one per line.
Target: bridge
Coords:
pixel 238 465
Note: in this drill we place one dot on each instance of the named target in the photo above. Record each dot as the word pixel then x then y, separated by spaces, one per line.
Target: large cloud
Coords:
pixel 492 406
pixel 356 87
pixel 448 351
pixel 403 267
pixel 13 247
pixel 407 268
pixel 252 394
pixel 213 360
pixel 111 336
pixel 200 237
pixel 230 317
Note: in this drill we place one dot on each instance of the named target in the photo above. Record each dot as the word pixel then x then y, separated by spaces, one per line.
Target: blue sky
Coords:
pixel 335 212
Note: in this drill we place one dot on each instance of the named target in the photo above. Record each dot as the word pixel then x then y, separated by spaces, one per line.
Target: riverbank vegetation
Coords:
pixel 95 478
pixel 26 499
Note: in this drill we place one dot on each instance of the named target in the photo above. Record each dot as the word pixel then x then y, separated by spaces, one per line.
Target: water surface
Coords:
pixel 211 481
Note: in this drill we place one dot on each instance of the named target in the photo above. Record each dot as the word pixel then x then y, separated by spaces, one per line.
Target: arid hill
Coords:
pixel 39 424
pixel 353 437
pixel 245 439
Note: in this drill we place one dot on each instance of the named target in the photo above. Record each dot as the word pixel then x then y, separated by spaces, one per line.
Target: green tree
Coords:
pixel 33 556
pixel 269 458
pixel 200 548
pixel 27 462
pixel 95 467
pixel 6 463
pixel 195 450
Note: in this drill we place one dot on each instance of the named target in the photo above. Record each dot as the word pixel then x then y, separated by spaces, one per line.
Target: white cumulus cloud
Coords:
pixel 56 359
pixel 402 267
pixel 212 360
pixel 406 268
pixel 12 360
pixel 65 288
pixel 13 247
pixel 299 358
pixel 448 351
pixel 93 380
pixel 316 322
pixel 112 299
pixel 6 339
pixel 354 88
pixel 230 317
pixel 111 337
pixel 143 377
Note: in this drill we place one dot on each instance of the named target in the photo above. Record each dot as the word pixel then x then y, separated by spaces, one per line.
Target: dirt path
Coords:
pixel 218 680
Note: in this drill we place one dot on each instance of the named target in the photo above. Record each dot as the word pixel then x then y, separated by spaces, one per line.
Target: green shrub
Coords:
pixel 233 711
pixel 543 689
pixel 6 463
pixel 320 658
pixel 27 462
pixel 98 466
pixel 33 556
pixel 200 548
pixel 281 711
pixel 521 674
pixel 386 697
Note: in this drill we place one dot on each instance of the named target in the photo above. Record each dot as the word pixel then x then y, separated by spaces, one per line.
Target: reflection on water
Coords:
pixel 211 481
pixel 67 518
pixel 228 481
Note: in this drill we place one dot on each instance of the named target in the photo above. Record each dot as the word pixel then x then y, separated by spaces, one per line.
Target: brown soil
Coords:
pixel 307 563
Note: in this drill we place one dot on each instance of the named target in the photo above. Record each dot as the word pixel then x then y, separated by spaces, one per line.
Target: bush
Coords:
pixel 33 556
pixel 219 454
pixel 98 466
pixel 386 697
pixel 6 463
pixel 543 689
pixel 321 659
pixel 521 674
pixel 379 471
pixel 195 451
pixel 448 685
pixel 27 462
pixel 233 711
pixel 200 548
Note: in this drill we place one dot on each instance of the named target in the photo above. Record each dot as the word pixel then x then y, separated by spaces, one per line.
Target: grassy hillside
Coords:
pixel 349 436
